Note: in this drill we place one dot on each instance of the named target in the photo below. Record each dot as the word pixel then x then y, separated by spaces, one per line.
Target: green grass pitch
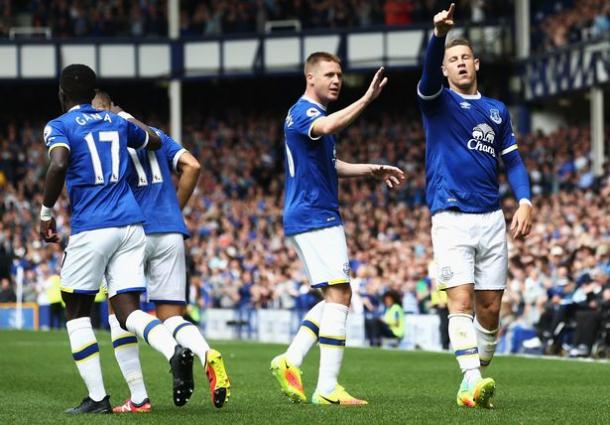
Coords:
pixel 38 380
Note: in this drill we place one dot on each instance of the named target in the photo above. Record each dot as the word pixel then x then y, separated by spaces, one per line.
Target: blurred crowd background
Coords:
pixel 558 297
pixel 558 289
pixel 148 18
pixel 555 23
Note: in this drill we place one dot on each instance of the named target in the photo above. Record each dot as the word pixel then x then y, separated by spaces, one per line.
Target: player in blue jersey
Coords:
pixel 313 226
pixel 150 177
pixel 88 151
pixel 466 136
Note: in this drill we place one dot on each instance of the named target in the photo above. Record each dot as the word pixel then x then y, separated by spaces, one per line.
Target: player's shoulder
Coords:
pixel 496 103
pixel 160 133
pixel 166 139
pixel 309 107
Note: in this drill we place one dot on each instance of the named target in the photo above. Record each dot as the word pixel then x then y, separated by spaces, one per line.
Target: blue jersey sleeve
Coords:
pixel 508 141
pixel 303 118
pixel 431 84
pixel 136 137
pixel 517 175
pixel 54 135
pixel 172 150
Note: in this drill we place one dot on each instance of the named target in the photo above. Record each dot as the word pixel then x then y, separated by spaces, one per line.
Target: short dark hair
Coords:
pixel 394 296
pixel 103 95
pixel 316 57
pixel 78 82
pixel 459 41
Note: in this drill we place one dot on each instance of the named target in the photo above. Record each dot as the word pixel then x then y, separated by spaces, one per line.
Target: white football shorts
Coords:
pixel 324 253
pixel 470 248
pixel 165 268
pixel 113 253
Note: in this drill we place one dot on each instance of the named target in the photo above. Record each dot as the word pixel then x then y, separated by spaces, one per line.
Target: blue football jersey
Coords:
pixel 465 138
pixel 150 178
pixel 311 198
pixel 96 177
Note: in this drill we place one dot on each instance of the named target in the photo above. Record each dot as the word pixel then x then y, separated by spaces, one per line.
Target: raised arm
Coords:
pixel 337 121
pixel 392 176
pixel 431 82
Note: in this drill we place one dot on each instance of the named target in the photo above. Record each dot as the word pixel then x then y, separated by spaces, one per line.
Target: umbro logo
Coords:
pixel 465 105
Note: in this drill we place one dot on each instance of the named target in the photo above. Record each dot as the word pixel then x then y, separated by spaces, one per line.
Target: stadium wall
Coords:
pixel 196 58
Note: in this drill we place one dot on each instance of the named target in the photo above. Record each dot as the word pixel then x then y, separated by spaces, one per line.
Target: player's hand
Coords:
pixel 443 21
pixel 377 85
pixel 48 231
pixel 115 108
pixel 391 176
pixel 522 222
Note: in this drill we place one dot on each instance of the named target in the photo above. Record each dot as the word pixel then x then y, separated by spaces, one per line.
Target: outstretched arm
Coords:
pixel 431 82
pixel 392 176
pixel 337 121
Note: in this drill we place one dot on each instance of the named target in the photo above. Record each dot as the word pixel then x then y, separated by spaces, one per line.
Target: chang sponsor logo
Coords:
pixel 482 140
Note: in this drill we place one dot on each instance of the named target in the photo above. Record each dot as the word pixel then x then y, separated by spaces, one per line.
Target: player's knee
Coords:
pixel 122 318
pixel 77 305
pixel 339 294
pixel 491 310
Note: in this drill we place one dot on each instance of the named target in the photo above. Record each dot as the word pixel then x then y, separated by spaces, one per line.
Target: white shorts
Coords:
pixel 165 268
pixel 113 253
pixel 470 248
pixel 324 253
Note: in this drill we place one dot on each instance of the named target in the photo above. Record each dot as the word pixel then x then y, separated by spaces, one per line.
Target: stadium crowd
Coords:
pixel 87 18
pixel 238 258
pixel 562 22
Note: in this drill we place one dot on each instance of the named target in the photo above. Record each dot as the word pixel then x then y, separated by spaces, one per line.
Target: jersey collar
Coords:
pixel 310 100
pixel 74 108
pixel 468 96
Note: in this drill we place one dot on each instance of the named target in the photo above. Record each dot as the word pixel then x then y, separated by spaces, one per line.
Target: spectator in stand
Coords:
pixel 571 23
pixel 236 211
pixel 7 293
pixel 148 18
pixel 398 12
pixel 391 324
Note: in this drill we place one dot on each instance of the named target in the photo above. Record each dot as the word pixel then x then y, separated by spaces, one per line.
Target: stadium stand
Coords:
pixel 148 18
pixel 562 22
pixel 238 259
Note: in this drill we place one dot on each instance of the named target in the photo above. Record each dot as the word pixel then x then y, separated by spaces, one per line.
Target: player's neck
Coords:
pixel 72 103
pixel 470 91
pixel 310 94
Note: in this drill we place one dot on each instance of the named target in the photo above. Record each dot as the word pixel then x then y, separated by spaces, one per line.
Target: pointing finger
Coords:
pixel 450 11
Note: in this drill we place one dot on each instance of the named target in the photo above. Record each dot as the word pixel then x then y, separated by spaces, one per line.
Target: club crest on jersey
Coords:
pixel 47 132
pixel 346 269
pixel 446 274
pixel 494 115
pixel 312 112
pixel 482 140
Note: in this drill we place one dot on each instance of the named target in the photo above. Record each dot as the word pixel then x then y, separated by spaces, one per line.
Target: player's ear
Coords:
pixel 309 78
pixel 444 70
pixel 476 64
